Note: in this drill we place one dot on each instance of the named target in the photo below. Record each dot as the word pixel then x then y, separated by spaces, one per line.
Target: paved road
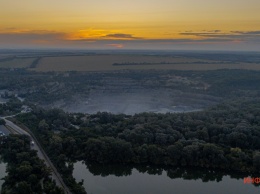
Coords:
pixel 41 155
pixel 15 127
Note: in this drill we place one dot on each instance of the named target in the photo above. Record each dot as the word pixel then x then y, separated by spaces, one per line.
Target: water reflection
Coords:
pixel 186 173
pixel 117 179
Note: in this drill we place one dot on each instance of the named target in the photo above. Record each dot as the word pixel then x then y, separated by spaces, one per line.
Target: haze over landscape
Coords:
pixel 129 97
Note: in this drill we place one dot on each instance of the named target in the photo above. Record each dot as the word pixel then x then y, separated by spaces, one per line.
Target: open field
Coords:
pixel 17 63
pixel 107 63
pixel 60 61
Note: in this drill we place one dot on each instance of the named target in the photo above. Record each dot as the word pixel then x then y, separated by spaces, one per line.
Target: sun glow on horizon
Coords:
pixel 68 22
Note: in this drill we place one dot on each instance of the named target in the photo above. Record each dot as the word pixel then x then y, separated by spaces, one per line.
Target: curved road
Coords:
pixel 41 154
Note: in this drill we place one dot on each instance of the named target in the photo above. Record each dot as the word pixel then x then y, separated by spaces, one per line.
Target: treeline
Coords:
pixel 170 63
pixel 35 62
pixel 185 173
pixel 224 137
pixel 27 174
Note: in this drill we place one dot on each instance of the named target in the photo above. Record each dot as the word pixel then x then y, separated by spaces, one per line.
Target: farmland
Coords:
pixel 114 61
pixel 16 62
pixel 134 62
pixel 106 62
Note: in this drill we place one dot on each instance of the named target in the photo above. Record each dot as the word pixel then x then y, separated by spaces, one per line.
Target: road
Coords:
pixel 41 154
pixel 15 127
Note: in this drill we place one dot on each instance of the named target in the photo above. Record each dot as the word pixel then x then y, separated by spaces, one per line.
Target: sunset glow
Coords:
pixel 136 23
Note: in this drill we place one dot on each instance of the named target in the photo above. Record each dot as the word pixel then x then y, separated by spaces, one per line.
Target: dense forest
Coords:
pixel 223 137
pixel 26 172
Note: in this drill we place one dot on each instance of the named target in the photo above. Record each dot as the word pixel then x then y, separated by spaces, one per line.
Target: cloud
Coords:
pixel 96 34
pixel 216 31
pixel 121 36
pixel 204 34
pixel 247 32
pixel 101 39
pixel 212 31
pixel 228 36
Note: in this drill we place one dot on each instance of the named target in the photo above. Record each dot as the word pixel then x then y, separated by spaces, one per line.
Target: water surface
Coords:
pixel 100 179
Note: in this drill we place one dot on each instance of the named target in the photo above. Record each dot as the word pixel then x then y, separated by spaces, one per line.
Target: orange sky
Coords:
pixel 64 23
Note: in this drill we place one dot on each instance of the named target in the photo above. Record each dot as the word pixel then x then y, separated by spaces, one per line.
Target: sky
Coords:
pixel 135 24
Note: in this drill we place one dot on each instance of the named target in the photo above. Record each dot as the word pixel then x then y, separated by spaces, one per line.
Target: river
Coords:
pixel 106 179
